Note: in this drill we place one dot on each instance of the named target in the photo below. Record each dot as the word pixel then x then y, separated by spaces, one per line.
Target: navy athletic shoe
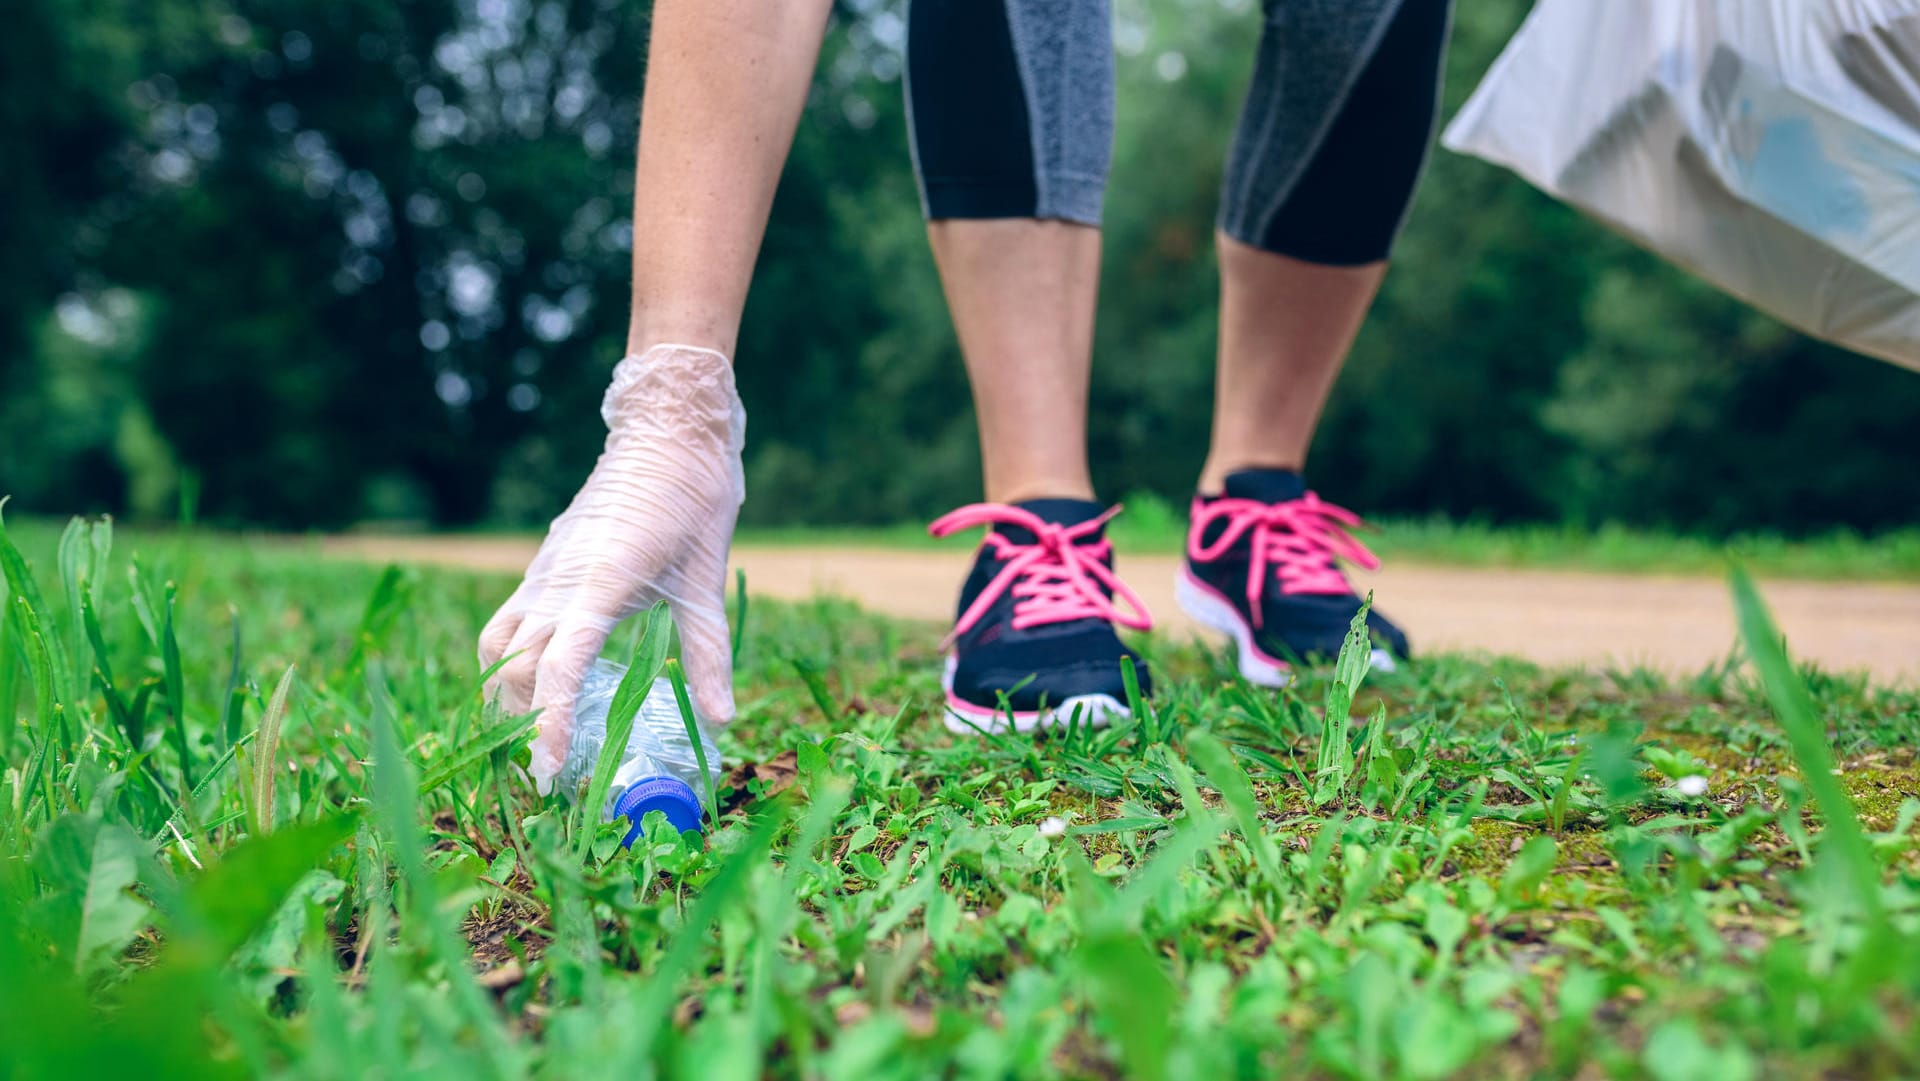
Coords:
pixel 1263 565
pixel 1036 619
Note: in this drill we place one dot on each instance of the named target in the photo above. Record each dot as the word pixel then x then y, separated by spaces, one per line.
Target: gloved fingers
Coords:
pixel 498 634
pixel 563 665
pixel 512 685
pixel 706 651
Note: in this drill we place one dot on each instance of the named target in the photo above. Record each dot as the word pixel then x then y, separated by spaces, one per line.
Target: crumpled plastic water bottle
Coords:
pixel 658 772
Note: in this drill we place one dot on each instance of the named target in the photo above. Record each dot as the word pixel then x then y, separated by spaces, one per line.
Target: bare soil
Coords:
pixel 1674 625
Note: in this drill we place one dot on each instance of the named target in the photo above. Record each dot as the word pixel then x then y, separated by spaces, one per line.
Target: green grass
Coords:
pixel 210 867
pixel 1151 525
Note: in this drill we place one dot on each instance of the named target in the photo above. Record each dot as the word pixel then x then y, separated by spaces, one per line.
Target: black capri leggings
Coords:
pixel 1010 106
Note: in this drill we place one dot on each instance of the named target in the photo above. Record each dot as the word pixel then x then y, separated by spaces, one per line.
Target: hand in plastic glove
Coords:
pixel 653 522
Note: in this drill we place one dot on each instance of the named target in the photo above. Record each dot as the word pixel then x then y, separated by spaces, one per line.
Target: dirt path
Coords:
pixel 1673 625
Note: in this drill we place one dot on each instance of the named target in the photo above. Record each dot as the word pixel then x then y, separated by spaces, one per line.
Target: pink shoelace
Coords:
pixel 1056 579
pixel 1299 540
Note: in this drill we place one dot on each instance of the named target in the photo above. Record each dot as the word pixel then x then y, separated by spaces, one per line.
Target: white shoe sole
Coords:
pixel 1257 667
pixel 965 718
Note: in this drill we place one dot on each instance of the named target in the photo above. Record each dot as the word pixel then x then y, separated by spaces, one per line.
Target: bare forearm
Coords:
pixel 726 81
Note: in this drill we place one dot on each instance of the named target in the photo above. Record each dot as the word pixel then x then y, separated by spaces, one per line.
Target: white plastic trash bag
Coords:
pixel 1771 146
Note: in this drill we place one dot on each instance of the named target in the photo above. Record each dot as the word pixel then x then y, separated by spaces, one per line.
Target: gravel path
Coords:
pixel 1676 625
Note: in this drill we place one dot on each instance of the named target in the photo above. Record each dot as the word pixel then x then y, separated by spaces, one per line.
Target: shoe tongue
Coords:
pixel 1057 511
pixel 1266 485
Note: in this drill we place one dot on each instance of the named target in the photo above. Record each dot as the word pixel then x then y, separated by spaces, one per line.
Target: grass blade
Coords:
pixel 73 563
pixel 132 726
pixel 678 680
pixel 175 687
pixel 236 693
pixel 1130 992
pixel 384 605
pixel 394 806
pixel 739 610
pixel 10 636
pixel 476 749
pixel 648 659
pixel 20 582
pixel 1236 791
pixel 40 670
pixel 1844 843
pixel 266 753
pixel 1137 705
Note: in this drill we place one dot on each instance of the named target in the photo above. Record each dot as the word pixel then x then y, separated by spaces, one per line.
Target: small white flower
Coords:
pixel 1691 785
pixel 1052 826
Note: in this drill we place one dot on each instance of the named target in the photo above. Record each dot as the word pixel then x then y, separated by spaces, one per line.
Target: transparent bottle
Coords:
pixel 660 770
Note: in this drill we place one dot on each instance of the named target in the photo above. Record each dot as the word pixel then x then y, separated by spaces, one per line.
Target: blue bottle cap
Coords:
pixel 668 795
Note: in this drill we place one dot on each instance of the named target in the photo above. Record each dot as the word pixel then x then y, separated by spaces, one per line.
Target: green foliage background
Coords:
pixel 316 263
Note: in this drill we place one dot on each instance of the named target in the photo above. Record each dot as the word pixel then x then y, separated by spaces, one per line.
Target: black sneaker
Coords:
pixel 1263 566
pixel 1035 620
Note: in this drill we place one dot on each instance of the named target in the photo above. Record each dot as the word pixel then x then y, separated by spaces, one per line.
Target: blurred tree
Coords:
pixel 376 223
pixel 62 118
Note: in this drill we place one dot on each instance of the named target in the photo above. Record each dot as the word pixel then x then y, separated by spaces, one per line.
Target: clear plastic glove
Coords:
pixel 653 522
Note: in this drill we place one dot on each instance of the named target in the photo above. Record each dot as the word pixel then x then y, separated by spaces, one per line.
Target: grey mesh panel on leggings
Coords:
pixel 1010 114
pixel 1010 107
